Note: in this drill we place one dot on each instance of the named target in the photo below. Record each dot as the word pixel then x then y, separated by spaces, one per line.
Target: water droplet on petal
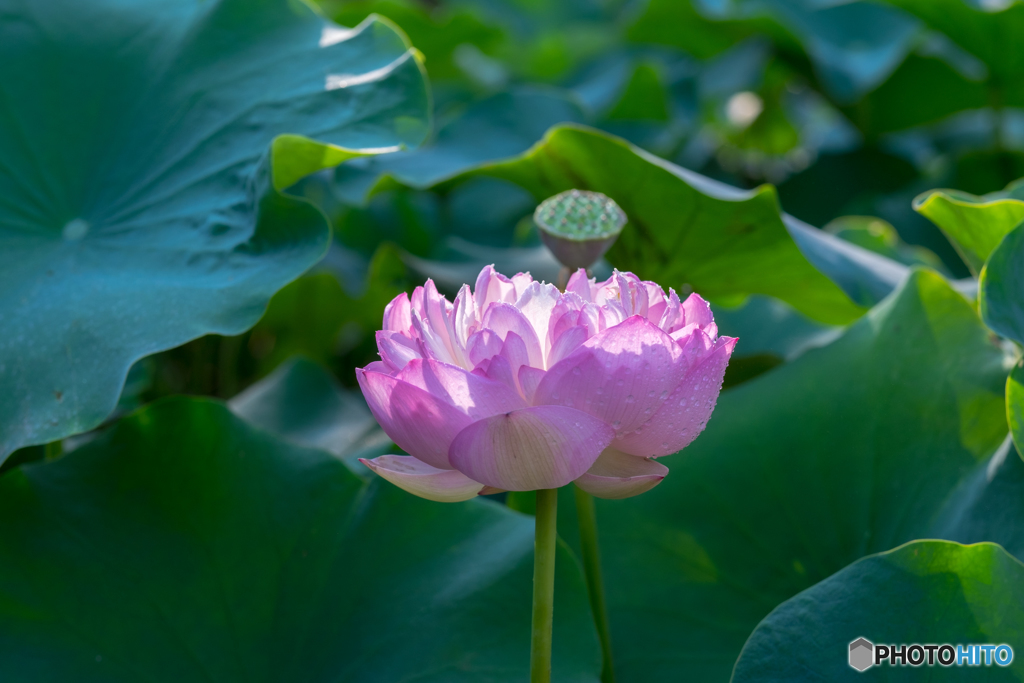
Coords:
pixel 616 424
pixel 664 445
pixel 620 383
pixel 630 399
pixel 650 394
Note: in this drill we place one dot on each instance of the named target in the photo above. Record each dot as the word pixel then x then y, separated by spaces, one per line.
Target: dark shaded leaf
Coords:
pixel 185 545
pixel 1001 287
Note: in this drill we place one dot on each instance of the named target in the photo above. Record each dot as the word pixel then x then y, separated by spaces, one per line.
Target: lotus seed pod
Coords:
pixel 579 226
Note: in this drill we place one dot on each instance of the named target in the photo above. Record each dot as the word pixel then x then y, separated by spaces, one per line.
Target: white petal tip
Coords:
pixel 420 479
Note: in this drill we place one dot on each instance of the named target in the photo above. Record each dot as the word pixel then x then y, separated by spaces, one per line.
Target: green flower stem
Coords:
pixel 595 584
pixel 543 585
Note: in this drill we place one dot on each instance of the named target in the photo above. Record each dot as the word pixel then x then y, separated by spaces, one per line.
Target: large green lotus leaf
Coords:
pixel 975 225
pixel 988 504
pixel 880 237
pixel 1001 287
pixel 923 592
pixel 185 545
pixel 800 472
pixel 772 333
pixel 139 202
pixel 444 34
pixel 683 229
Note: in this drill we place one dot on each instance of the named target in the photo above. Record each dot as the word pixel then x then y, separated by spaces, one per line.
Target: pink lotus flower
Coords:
pixel 517 386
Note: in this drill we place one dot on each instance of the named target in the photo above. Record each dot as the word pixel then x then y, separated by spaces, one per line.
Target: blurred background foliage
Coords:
pixel 850 109
pixel 779 157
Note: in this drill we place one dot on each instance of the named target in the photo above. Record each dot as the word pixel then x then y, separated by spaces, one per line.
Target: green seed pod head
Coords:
pixel 579 226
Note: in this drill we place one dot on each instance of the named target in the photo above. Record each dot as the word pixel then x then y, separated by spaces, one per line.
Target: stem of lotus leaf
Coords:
pixel 563 278
pixel 227 366
pixel 595 584
pixel 543 585
pixel 53 450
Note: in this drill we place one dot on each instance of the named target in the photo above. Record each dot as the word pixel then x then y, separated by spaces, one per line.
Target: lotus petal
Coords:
pixel 622 375
pixel 423 480
pixel 686 412
pixel 541 447
pixel 428 403
pixel 618 475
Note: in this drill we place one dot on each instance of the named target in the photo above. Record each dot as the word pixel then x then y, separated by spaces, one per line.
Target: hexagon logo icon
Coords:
pixel 862 654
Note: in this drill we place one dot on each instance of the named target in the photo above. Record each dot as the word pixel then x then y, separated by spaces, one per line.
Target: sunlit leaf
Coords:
pixel 683 230
pixel 139 183
pixel 928 591
pixel 975 225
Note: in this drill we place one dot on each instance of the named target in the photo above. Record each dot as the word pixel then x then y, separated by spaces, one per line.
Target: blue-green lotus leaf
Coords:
pixel 183 544
pixel 852 449
pixel 1001 287
pixel 923 592
pixel 143 146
